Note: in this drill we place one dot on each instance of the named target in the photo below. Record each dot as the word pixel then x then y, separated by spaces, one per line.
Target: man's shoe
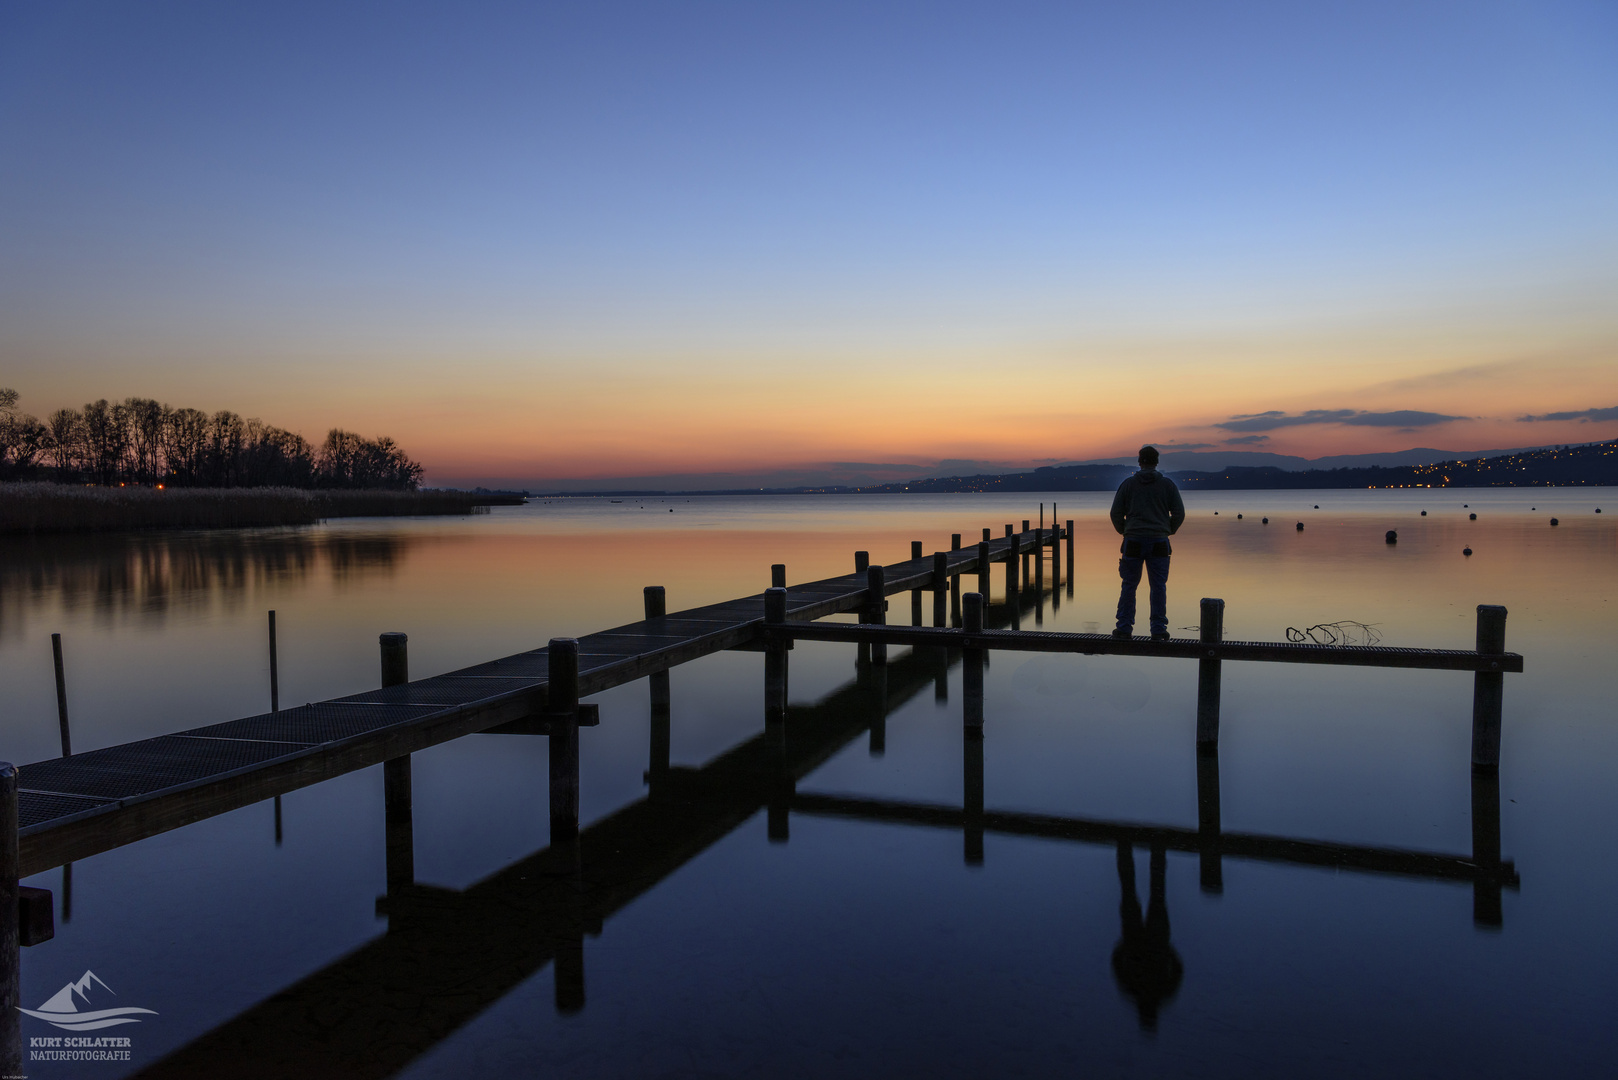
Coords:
pixel 1160 635
pixel 1122 634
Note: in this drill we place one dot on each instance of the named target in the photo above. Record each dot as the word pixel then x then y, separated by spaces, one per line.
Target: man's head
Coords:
pixel 1148 457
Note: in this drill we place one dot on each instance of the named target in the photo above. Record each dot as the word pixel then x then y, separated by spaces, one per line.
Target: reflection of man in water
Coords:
pixel 1146 511
pixel 1144 963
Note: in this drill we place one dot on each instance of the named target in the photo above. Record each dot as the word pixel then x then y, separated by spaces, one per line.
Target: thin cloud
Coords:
pixel 1185 446
pixel 1247 440
pixel 1583 416
pixel 1273 419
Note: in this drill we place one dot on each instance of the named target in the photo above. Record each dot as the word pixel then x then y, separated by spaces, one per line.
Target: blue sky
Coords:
pixel 437 220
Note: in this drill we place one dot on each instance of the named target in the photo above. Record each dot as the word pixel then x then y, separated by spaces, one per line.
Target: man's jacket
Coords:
pixel 1147 505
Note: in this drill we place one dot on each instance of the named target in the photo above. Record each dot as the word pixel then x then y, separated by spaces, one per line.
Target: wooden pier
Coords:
pixel 76 806
pixel 448 955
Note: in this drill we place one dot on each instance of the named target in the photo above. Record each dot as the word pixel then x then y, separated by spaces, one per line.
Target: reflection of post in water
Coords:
pixel 1208 839
pixel 1013 600
pixel 972 746
pixel 1486 907
pixel 1144 963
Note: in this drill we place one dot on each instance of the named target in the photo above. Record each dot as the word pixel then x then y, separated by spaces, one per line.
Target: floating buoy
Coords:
pixel 1555 522
pixel 1465 505
pixel 1317 506
pixel 1266 521
pixel 1474 517
pixel 1216 513
pixel 1424 513
pixel 1598 509
pixel 1238 517
pixel 1533 508
pixel 1466 551
pixel 1392 537
pixel 1300 526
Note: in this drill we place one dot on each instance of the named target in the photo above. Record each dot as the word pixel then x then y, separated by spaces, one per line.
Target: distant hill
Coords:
pixel 1592 464
pixel 1217 460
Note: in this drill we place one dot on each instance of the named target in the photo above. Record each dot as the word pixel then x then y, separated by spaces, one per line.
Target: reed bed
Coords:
pixel 57 508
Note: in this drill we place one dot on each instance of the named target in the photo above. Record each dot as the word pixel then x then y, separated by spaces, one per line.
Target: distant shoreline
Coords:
pixel 46 508
pixel 1588 465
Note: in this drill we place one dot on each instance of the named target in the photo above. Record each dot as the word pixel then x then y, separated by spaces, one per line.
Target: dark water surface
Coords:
pixel 856 932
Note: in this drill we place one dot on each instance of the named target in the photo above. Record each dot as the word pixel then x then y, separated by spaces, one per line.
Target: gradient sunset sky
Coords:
pixel 543 241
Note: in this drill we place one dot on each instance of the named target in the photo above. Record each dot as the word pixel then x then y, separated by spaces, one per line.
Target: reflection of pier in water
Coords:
pixel 448 955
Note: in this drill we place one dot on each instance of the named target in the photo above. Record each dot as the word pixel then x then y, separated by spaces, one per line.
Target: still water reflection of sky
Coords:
pixel 860 947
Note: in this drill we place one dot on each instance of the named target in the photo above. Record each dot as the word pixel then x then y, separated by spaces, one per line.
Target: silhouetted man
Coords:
pixel 1146 511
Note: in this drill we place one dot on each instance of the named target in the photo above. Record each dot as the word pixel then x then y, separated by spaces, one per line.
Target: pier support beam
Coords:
pixel 396 801
pixel 983 572
pixel 1069 531
pixel 61 686
pixel 972 666
pixel 563 712
pixel 775 659
pixel 658 685
pixel 1208 676
pixel 972 732
pixel 11 1053
pixel 1488 689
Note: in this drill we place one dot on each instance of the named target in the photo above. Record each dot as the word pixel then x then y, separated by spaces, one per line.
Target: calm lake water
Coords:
pixel 823 944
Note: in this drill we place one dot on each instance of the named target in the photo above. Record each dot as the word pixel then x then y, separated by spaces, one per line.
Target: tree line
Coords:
pixel 142 441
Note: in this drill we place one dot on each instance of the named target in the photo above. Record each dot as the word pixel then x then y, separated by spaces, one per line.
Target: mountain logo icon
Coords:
pixel 62 1010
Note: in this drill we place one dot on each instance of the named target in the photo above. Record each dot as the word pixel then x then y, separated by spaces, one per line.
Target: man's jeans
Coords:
pixel 1157 575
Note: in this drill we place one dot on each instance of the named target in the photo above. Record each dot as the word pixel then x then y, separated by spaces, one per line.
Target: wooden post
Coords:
pixel 275 706
pixel 915 594
pixel 862 561
pixel 1208 676
pixel 983 567
pixel 563 708
pixel 1056 560
pixel 1010 529
pixel 1039 561
pixel 11 1055
pixel 1486 907
pixel 1209 842
pixel 972 665
pixel 658 681
pixel 955 541
pixel 275 673
pixel 876 603
pixel 915 550
pixel 1488 690
pixel 61 695
pixel 1013 554
pixel 396 800
pixel 1069 531
pixel 942 584
pixel 987 534
pixel 657 684
pixel 1041 515
pixel 775 658
pixel 778 575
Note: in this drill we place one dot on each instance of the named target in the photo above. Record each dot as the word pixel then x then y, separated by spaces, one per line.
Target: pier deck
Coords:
pixel 73 807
